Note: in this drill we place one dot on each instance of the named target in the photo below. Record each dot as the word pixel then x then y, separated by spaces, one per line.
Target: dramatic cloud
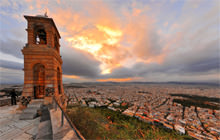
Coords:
pixel 122 40
pixel 11 65
pixel 77 63
pixel 12 47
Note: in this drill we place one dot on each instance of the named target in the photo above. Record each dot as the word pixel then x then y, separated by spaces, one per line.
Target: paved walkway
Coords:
pixel 11 128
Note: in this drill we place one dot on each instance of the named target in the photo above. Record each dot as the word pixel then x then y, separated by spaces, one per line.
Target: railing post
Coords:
pixel 61 118
pixel 55 106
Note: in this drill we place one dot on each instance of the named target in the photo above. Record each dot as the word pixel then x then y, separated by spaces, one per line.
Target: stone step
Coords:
pixel 37 100
pixel 28 116
pixel 37 105
pixel 31 110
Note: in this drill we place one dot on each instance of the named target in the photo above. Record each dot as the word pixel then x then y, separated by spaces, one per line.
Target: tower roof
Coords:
pixel 44 18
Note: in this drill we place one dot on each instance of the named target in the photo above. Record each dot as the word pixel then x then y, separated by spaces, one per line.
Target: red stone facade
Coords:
pixel 42 60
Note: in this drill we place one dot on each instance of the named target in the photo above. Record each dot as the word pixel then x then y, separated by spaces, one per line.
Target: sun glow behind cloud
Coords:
pixel 86 44
pixel 71 76
pixel 118 79
pixel 113 35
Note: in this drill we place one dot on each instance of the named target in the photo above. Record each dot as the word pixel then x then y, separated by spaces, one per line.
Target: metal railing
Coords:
pixel 63 114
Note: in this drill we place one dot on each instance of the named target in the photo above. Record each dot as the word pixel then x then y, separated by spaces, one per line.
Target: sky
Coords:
pixel 120 40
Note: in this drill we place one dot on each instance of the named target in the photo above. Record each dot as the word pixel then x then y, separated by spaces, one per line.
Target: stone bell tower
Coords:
pixel 42 60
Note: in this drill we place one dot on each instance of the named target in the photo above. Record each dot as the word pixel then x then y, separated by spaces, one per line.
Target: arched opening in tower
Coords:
pixel 39 80
pixel 40 35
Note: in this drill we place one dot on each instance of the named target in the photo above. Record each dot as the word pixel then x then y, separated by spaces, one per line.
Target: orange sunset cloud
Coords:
pixel 104 36
pixel 117 79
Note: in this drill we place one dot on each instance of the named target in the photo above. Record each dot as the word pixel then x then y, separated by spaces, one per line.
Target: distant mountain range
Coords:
pixel 161 83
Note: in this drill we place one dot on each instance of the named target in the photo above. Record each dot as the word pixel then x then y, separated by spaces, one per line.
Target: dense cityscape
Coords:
pixel 160 104
pixel 187 109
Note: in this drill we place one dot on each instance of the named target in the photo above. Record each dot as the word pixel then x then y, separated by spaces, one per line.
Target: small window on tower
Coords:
pixel 41 37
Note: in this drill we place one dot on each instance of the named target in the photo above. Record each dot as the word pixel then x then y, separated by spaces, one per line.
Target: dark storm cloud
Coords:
pixel 121 72
pixel 203 59
pixel 78 63
pixel 12 47
pixel 11 65
pixel 204 66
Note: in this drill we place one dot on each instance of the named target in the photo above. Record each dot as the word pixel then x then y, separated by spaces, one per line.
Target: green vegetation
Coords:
pixel 102 123
pixel 197 97
pixel 198 101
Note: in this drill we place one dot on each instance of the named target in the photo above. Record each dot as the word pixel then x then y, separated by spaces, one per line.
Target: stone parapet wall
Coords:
pixel 66 129
pixel 6 101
